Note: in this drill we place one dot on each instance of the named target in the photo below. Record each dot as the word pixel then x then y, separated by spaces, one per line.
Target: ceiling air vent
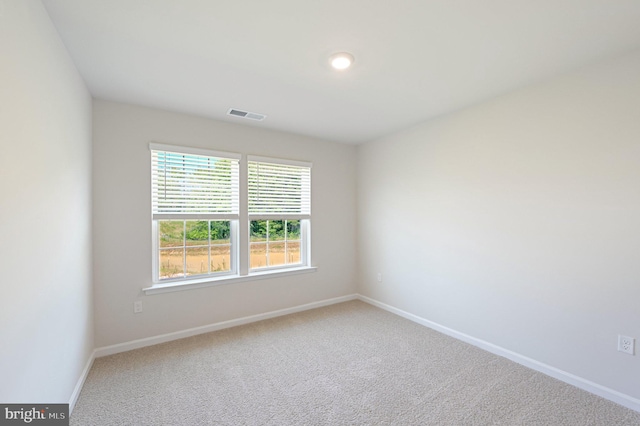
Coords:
pixel 246 114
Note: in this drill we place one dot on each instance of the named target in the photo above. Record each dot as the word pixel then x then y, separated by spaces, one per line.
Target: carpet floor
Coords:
pixel 345 364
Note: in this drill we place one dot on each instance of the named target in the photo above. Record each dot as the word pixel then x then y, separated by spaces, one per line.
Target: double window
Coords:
pixel 202 228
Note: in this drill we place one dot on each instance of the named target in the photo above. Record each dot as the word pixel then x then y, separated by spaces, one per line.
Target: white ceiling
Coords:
pixel 415 59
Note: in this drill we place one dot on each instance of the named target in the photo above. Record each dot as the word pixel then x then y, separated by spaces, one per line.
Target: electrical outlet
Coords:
pixel 379 277
pixel 626 344
pixel 137 306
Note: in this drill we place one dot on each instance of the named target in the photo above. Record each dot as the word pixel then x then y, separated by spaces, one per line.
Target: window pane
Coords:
pixel 189 241
pixel 276 254
pixel 220 232
pixel 293 252
pixel 275 243
pixel 221 258
pixel 258 230
pixel 276 230
pixel 293 230
pixel 259 255
pixel 197 261
pixel 170 233
pixel 171 263
pixel 197 233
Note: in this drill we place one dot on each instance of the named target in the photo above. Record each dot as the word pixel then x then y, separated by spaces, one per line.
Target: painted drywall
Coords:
pixel 122 226
pixel 46 326
pixel 517 221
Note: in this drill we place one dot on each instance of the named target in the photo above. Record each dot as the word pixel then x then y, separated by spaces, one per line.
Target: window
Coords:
pixel 279 198
pixel 275 243
pixel 193 247
pixel 196 214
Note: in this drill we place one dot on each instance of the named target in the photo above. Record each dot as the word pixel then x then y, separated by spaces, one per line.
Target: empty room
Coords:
pixel 320 212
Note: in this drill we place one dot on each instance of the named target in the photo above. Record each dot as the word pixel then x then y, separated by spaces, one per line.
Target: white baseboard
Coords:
pixel 154 340
pixel 76 391
pixel 579 382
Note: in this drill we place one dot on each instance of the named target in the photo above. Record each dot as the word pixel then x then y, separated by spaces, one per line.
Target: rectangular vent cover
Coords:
pixel 246 114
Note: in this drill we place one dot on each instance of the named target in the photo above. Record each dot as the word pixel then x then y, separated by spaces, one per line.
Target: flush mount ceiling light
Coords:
pixel 341 61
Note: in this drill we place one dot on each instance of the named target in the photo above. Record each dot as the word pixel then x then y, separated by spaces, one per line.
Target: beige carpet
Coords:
pixel 346 364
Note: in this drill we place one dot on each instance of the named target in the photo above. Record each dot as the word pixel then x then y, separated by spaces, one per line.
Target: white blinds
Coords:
pixel 187 185
pixel 279 189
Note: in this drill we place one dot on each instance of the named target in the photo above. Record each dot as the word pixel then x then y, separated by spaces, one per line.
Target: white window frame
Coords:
pixel 233 217
pixel 304 215
pixel 233 237
pixel 239 232
pixel 305 244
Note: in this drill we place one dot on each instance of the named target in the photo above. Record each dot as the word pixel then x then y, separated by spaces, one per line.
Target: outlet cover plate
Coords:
pixel 626 344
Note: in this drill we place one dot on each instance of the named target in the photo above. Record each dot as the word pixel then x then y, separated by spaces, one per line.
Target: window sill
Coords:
pixel 229 279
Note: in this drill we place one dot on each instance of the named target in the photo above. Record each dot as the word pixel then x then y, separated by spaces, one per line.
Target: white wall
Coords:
pixel 46 329
pixel 517 221
pixel 122 227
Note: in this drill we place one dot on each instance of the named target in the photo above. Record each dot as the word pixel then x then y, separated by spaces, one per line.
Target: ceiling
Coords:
pixel 414 59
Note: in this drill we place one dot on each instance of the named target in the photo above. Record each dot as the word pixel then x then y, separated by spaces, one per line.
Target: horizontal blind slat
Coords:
pixel 184 183
pixel 278 189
